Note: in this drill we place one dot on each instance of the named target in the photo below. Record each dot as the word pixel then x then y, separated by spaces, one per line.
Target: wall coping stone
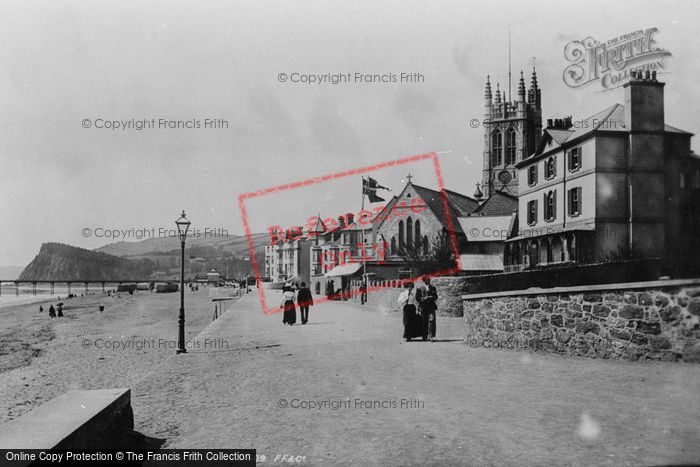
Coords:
pixel 586 288
pixel 56 422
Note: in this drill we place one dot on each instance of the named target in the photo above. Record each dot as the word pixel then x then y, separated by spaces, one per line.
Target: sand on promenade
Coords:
pixel 41 358
pixel 464 405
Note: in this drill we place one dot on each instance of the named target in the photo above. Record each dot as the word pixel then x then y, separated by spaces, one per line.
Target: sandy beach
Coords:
pixel 41 358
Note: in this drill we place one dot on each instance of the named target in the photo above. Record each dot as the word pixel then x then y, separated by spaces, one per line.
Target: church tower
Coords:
pixel 512 131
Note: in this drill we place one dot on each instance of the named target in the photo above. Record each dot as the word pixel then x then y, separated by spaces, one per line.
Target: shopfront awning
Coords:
pixel 347 269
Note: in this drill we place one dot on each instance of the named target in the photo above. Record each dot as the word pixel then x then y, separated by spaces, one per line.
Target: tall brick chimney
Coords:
pixel 644 102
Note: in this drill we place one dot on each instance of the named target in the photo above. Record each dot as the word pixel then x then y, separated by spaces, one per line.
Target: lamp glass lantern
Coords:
pixel 183 225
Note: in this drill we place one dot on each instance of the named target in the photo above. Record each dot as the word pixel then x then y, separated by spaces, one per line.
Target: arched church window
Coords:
pixel 510 147
pixel 497 148
pixel 417 237
pixel 393 245
pixel 401 236
pixel 425 245
pixel 409 233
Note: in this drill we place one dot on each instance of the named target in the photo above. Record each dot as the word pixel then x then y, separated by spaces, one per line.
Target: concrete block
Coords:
pixel 71 420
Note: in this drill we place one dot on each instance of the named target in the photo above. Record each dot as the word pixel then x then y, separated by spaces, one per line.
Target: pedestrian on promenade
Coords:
pixel 363 291
pixel 290 312
pixel 305 300
pixel 41 309
pixel 52 312
pixel 59 309
pixel 427 296
pixel 412 321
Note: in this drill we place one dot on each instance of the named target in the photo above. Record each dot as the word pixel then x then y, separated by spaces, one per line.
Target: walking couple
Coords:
pixel 419 305
pixel 303 298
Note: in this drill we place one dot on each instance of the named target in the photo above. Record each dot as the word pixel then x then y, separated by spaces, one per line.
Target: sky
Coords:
pixel 68 67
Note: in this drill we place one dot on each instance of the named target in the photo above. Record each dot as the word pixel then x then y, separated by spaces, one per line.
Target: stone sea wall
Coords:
pixel 650 321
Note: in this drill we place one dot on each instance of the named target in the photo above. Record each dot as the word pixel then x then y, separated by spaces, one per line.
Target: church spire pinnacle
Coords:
pixel 534 92
pixel 478 194
pixel 487 93
pixel 498 93
pixel 521 88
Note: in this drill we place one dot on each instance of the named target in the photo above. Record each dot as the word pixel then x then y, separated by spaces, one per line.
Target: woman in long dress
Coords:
pixel 290 312
pixel 411 319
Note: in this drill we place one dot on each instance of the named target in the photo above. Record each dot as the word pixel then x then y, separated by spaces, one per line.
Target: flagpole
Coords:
pixel 364 252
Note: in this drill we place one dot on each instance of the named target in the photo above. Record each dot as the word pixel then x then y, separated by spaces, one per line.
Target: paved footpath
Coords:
pixel 462 405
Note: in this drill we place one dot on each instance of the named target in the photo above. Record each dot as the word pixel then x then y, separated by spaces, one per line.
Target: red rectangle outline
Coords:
pixel 346 173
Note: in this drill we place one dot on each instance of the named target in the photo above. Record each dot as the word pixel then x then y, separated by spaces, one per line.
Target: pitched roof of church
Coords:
pixel 378 219
pixel 462 203
pixel 498 204
pixel 457 204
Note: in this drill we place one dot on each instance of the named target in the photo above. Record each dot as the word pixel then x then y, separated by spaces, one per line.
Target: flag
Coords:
pixel 370 187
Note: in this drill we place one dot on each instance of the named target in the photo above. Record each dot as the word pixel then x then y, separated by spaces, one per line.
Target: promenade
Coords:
pixel 250 382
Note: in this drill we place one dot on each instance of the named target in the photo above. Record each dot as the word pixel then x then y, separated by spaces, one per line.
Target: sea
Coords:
pixel 10 294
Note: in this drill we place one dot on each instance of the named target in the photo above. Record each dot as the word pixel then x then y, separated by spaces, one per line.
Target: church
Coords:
pixel 481 223
pixel 512 131
pixel 418 221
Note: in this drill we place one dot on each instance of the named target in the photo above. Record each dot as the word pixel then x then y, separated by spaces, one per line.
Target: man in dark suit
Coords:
pixel 305 300
pixel 427 299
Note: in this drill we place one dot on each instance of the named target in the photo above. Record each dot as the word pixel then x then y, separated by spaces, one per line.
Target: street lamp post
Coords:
pixel 182 226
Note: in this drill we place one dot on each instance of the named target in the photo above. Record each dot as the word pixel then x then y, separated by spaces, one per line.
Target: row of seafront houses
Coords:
pixel 332 250
pixel 619 185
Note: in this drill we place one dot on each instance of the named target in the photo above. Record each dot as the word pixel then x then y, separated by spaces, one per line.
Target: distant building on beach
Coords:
pixel 213 278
